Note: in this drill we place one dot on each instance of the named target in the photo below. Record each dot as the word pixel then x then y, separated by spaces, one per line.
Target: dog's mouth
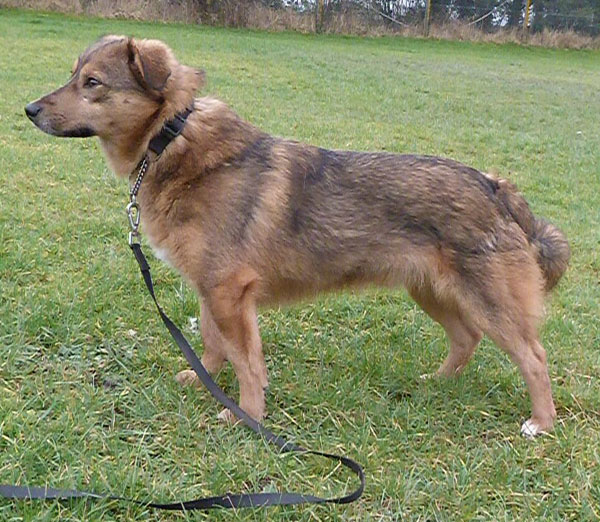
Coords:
pixel 80 132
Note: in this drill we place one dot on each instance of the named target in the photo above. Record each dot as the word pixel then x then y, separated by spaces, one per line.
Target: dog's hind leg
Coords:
pixel 509 306
pixel 233 308
pixel 527 353
pixel 463 336
pixel 213 356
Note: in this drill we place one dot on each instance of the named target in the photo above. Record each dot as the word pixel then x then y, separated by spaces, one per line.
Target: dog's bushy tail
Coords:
pixel 553 252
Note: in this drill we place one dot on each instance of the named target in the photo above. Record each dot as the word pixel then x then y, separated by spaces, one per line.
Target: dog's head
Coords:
pixel 118 89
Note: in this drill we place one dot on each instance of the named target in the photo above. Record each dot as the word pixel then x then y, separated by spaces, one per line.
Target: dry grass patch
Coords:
pixel 255 15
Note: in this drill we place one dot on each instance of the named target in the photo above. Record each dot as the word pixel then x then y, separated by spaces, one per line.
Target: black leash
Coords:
pixel 227 500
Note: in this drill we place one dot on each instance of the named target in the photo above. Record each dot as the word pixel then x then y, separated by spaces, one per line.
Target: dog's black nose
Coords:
pixel 32 110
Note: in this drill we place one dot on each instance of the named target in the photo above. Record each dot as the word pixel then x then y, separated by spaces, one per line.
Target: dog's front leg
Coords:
pixel 213 356
pixel 232 305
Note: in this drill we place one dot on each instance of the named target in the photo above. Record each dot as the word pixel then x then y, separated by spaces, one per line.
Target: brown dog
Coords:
pixel 250 219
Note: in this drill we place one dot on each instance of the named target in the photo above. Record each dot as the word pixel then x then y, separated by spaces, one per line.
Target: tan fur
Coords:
pixel 249 219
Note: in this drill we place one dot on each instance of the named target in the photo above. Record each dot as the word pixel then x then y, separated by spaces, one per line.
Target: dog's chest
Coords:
pixel 162 253
pixel 160 247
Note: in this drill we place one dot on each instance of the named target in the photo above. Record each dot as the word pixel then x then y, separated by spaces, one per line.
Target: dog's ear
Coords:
pixel 75 66
pixel 149 62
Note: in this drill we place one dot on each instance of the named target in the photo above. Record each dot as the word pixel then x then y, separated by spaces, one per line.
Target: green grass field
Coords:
pixel 87 395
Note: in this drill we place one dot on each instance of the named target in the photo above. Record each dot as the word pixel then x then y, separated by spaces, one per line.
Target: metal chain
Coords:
pixel 138 181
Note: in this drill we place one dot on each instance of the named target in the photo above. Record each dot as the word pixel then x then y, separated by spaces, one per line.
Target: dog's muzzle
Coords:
pixel 34 113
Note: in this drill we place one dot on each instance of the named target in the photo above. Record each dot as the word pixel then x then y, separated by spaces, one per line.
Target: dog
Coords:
pixel 252 220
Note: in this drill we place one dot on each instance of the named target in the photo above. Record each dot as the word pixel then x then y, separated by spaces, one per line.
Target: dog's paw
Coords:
pixel 227 417
pixel 530 429
pixel 187 378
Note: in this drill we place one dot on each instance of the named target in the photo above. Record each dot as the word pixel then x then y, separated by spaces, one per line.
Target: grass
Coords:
pixel 87 395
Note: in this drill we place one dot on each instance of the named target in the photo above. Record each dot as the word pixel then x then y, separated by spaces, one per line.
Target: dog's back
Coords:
pixel 353 217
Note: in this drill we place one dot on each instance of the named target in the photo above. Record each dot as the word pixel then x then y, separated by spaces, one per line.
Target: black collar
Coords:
pixel 170 130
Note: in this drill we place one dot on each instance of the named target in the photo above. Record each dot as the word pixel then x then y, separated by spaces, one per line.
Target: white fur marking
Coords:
pixel 193 324
pixel 226 416
pixel 530 429
pixel 162 254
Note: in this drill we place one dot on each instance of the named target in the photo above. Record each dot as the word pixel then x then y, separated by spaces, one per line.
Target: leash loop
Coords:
pixel 231 500
pixel 227 500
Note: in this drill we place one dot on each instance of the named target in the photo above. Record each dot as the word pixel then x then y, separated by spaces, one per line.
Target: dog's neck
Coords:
pixel 123 156
pixel 121 160
pixel 216 135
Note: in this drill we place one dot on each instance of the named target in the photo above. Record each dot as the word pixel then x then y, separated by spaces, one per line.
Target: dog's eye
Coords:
pixel 92 82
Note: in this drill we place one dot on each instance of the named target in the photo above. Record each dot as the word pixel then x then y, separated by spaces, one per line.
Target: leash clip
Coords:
pixel 134 214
